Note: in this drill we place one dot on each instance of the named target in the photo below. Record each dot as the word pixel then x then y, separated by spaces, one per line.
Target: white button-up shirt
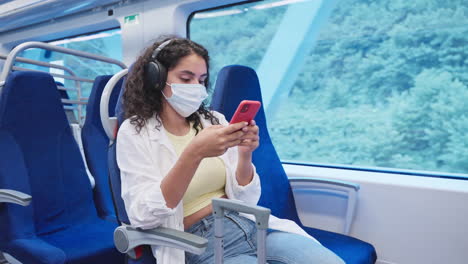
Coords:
pixel 144 160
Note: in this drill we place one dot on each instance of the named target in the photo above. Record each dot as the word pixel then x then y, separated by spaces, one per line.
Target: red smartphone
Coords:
pixel 246 111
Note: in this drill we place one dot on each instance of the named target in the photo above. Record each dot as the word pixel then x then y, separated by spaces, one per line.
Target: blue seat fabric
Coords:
pixel 236 83
pixel 95 144
pixel 40 157
pixel 115 184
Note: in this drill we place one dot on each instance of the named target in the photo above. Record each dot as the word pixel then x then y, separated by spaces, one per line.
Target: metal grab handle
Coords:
pixel 12 196
pixel 261 214
pixel 109 123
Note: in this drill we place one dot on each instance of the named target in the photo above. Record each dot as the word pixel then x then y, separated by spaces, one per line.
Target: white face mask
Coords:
pixel 186 98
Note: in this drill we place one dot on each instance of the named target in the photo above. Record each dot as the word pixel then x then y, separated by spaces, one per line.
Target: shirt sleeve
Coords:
pixel 141 180
pixel 249 193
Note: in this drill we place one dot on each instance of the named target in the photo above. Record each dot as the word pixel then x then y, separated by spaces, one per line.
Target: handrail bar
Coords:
pixel 68 101
pixel 55 74
pixel 36 44
pixel 40 63
pixel 62 88
pixel 68 107
pixel 12 56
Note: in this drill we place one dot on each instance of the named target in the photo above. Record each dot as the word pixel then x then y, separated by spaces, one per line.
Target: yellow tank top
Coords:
pixel 209 179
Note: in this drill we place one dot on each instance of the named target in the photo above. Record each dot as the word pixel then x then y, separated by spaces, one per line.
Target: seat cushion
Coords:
pixel 90 242
pixel 350 249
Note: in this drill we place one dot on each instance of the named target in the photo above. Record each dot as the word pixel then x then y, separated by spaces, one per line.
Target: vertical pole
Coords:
pixel 80 109
pixel 261 246
pixel 219 235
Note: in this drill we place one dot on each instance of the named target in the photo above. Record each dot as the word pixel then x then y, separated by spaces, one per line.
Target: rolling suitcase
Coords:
pixel 261 214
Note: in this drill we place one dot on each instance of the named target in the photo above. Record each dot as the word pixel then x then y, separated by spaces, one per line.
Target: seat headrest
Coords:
pixel 93 106
pixel 234 84
pixel 26 100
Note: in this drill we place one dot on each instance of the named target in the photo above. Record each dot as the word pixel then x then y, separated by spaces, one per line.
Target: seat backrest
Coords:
pixel 115 184
pixel 33 118
pixel 96 143
pixel 234 84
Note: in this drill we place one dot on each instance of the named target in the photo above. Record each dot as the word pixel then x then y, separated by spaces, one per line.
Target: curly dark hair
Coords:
pixel 141 102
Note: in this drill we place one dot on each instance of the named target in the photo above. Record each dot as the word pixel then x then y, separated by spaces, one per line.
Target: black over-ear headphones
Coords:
pixel 155 72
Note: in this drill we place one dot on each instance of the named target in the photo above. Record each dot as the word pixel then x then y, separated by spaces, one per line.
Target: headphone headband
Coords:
pixel 159 48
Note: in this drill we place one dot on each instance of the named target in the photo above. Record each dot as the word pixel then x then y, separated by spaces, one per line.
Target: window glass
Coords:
pixel 354 82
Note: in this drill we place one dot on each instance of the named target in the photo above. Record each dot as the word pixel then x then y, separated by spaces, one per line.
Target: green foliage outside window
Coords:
pixel 385 85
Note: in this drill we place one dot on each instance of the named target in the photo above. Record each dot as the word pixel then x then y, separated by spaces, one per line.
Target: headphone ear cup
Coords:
pixel 155 75
pixel 162 75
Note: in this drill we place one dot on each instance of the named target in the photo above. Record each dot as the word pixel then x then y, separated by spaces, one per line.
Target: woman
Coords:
pixel 175 156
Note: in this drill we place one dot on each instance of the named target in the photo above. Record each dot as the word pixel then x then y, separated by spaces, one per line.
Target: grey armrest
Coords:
pixel 11 196
pixel 300 184
pixel 126 238
pixel 2 259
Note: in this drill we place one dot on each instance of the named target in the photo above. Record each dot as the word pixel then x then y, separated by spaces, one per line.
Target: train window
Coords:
pixel 354 83
pixel 107 43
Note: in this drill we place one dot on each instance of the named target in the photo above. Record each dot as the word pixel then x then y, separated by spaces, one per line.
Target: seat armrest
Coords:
pixel 2 259
pixel 12 196
pixel 126 238
pixel 349 189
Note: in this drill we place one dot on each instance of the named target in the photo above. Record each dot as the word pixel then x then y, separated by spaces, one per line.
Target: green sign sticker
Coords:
pixel 132 19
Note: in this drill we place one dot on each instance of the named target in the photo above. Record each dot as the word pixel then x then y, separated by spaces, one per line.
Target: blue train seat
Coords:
pixel 61 225
pixel 142 254
pixel 236 83
pixel 138 250
pixel 96 143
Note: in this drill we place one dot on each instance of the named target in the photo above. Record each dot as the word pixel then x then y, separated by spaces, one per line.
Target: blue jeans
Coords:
pixel 240 244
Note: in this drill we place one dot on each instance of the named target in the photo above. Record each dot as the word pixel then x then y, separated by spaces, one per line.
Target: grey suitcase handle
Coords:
pixel 261 214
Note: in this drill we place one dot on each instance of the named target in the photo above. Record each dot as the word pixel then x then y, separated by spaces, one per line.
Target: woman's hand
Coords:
pixel 250 140
pixel 210 142
pixel 213 141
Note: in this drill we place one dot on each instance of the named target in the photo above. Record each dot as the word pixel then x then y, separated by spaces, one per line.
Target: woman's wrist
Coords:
pixel 244 173
pixel 193 152
pixel 245 156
